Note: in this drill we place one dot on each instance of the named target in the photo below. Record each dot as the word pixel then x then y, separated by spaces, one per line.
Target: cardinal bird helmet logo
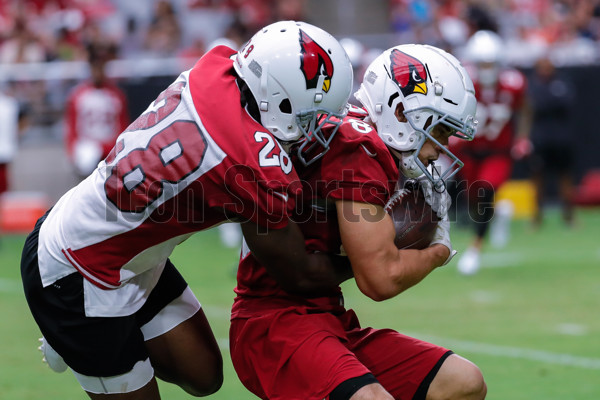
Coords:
pixel 314 62
pixel 408 72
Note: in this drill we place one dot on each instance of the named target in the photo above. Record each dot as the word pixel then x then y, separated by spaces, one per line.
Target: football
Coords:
pixel 414 220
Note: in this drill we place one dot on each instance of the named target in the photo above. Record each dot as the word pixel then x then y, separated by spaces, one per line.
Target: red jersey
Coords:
pixel 357 167
pixel 97 114
pixel 496 111
pixel 194 158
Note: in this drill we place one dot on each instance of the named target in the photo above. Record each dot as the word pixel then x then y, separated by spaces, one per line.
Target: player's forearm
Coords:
pixel 283 255
pixel 381 270
pixel 320 274
pixel 391 275
pixel 415 265
pixel 525 120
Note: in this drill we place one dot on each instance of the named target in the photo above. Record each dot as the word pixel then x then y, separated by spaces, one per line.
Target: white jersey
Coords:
pixel 192 159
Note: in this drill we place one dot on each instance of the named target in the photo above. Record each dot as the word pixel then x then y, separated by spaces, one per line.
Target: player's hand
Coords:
pixel 442 236
pixel 521 148
pixel 438 199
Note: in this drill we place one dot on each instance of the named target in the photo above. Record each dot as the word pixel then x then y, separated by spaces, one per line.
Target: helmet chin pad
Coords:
pixel 407 163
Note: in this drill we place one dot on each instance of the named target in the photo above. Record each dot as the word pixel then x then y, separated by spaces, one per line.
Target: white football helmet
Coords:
pixel 300 76
pixel 431 87
pixel 485 49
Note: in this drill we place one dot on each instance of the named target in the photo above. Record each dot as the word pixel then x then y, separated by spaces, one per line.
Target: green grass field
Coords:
pixel 530 318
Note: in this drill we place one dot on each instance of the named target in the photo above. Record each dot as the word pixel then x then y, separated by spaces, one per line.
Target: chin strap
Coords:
pixel 410 168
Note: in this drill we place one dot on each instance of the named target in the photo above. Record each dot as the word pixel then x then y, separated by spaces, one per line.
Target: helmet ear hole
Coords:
pixel 400 113
pixel 285 106
pixel 428 122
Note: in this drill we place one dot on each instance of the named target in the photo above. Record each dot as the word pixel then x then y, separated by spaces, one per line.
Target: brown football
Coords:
pixel 414 220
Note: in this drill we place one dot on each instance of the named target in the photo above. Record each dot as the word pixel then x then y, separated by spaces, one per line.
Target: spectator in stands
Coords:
pixel 552 98
pixel 9 128
pixel 96 113
pixel 238 33
pixel 164 34
pixel 22 46
pixel 68 47
pixel 289 10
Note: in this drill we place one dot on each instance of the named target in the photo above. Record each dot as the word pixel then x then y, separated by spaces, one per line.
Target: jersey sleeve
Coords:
pixel 265 200
pixel 260 181
pixel 358 167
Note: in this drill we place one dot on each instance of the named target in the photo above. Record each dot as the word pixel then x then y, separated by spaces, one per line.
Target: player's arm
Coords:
pixel 70 125
pixel 522 146
pixel 282 253
pixel 381 270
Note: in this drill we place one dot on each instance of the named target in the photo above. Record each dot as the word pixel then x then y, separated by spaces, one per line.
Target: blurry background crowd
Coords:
pixel 45 47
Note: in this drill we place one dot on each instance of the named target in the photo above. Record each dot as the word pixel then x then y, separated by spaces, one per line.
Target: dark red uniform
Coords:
pixel 487 158
pixel 289 347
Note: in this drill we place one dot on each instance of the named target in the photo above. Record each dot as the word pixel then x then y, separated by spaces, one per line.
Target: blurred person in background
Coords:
pixel 96 271
pixel 13 120
pixel 96 113
pixel 9 132
pixel 504 121
pixel 552 99
pixel 67 46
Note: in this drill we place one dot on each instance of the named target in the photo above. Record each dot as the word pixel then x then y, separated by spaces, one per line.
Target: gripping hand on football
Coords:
pixel 438 199
pixel 442 236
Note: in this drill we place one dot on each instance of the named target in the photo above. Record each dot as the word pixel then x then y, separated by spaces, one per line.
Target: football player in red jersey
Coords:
pixel 502 135
pixel 95 270
pixel 96 113
pixel 285 346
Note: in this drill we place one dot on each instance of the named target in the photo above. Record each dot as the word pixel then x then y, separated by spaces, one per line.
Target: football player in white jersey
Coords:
pixel 210 149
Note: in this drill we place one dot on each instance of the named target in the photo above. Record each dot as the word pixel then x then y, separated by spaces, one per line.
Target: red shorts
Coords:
pixel 296 354
pixel 3 178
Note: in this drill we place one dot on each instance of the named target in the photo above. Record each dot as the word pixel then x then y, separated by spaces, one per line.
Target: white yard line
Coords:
pixel 547 357
pixel 223 343
pixel 514 352
pixel 496 259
